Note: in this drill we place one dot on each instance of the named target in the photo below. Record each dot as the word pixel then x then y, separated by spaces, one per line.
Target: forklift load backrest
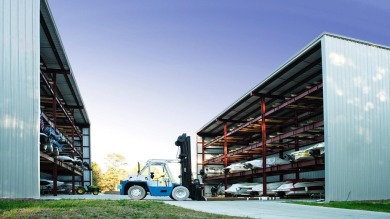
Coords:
pixel 184 142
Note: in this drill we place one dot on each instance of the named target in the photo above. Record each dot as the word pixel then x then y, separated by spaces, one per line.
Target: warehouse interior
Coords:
pixel 288 112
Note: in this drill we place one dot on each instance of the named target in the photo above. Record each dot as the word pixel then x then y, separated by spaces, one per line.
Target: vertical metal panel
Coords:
pixel 312 175
pixel 87 178
pixel 19 99
pixel 87 154
pixel 357 119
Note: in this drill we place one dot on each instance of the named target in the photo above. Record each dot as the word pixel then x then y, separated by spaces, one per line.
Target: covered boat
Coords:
pixel 240 189
pixel 270 188
pixel 235 168
pixel 271 161
pixel 300 187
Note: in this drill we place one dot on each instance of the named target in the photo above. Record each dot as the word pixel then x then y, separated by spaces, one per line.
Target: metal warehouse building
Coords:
pixel 38 95
pixel 336 90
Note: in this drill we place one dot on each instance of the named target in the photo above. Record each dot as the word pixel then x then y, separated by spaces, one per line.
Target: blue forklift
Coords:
pixel 158 178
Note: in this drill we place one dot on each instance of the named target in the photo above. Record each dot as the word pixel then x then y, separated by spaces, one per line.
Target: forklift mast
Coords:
pixel 184 142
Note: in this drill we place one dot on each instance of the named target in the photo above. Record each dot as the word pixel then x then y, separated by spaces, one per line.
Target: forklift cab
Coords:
pixel 158 173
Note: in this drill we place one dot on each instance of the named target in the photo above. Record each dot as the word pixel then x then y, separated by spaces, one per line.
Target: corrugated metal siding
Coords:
pixel 19 99
pixel 357 120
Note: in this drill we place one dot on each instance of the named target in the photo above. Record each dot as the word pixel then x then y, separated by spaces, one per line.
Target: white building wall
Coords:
pixel 357 119
pixel 19 98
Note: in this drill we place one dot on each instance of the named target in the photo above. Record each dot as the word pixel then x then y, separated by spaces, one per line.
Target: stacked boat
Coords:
pixel 236 167
pixel 318 150
pixel 76 162
pixel 240 189
pixel 300 187
pixel 271 187
pixel 288 188
pixel 213 171
pixel 258 163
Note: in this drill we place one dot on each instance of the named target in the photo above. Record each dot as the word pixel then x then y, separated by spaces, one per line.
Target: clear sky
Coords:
pixel 149 71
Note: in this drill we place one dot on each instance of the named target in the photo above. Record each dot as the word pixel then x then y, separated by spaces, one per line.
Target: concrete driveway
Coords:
pixel 275 209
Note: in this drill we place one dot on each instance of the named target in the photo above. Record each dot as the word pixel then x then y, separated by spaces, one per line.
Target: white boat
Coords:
pixel 213 171
pixel 65 159
pixel 300 187
pixel 270 188
pixel 258 163
pixel 240 189
pixel 47 186
pixel 235 168
pixel 318 150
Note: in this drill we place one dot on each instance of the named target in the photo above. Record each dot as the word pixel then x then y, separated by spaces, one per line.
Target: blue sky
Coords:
pixel 151 70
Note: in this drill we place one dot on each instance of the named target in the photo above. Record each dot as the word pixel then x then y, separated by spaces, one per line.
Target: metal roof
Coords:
pixel 55 60
pixel 301 71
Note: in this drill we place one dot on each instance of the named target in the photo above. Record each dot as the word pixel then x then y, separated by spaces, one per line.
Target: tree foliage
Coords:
pixel 96 173
pixel 116 170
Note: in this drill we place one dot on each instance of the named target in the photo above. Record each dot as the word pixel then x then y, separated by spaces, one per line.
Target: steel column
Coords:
pixel 54 112
pixel 225 150
pixel 82 156
pixel 73 178
pixel 203 190
pixel 296 142
pixel 264 147
pixel 55 177
pixel 203 153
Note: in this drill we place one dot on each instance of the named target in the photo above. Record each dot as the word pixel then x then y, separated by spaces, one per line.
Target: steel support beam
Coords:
pixel 60 164
pixel 55 177
pixel 58 101
pixel 203 153
pixel 225 151
pixel 73 178
pixel 82 156
pixel 284 93
pixel 271 140
pixel 264 145
pixel 296 141
pixel 282 106
pixel 54 112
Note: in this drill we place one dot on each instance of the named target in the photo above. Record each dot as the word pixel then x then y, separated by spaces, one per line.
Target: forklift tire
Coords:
pixel 95 192
pixel 180 193
pixel 80 190
pixel 136 192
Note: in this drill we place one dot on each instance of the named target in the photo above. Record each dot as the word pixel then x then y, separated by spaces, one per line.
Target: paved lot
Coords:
pixel 277 209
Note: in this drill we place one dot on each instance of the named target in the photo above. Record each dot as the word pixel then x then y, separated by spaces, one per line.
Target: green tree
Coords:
pixel 116 170
pixel 96 173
